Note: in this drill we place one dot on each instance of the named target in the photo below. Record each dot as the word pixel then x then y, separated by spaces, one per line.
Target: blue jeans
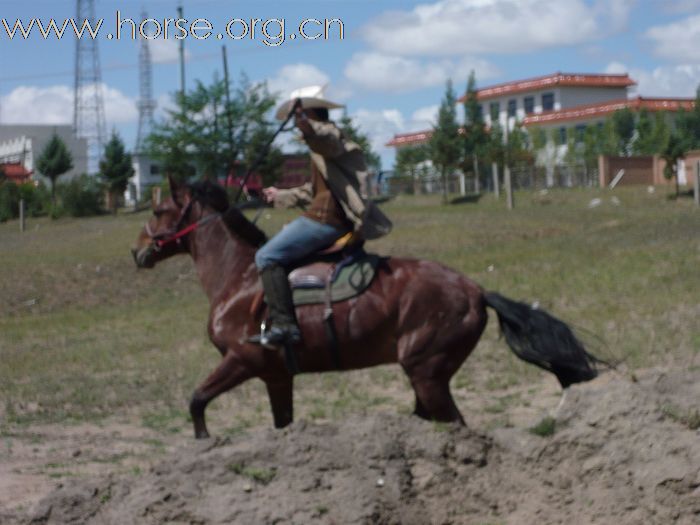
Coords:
pixel 299 238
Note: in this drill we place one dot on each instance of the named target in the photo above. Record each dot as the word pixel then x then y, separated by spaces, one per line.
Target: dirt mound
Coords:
pixel 618 452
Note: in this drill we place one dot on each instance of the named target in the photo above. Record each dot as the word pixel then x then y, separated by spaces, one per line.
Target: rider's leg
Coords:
pixel 300 238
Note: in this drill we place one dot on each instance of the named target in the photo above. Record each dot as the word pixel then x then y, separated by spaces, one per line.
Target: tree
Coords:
pixel 651 135
pixel 354 133
pixel 445 143
pixel 624 123
pixel 644 130
pixel 194 137
pixel 675 151
pixel 662 133
pixel 54 161
pixel 688 125
pixel 270 168
pixel 116 168
pixel 475 137
pixel 591 147
pixel 609 140
pixel 408 158
pixel 517 147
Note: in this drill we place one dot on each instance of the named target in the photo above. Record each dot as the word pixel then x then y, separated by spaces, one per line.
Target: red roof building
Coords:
pixel 569 80
pixel 602 110
pixel 562 100
pixel 16 172
pixel 410 139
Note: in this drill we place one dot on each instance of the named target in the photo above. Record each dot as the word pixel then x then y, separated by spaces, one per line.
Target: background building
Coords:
pixel 147 173
pixel 563 105
pixel 22 144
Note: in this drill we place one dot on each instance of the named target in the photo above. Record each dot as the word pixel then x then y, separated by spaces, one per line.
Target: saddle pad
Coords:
pixel 351 280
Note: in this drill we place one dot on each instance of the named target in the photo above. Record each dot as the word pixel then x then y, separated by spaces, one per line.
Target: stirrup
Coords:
pixel 277 336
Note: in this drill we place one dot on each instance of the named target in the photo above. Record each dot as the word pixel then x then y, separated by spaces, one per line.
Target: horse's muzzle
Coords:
pixel 143 257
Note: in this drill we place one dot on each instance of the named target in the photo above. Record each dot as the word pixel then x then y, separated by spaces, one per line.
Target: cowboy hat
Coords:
pixel 310 97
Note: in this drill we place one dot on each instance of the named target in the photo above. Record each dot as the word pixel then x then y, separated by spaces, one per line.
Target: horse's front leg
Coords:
pixel 231 372
pixel 280 392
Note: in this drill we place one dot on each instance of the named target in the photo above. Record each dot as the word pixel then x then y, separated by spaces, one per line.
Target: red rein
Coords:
pixel 175 237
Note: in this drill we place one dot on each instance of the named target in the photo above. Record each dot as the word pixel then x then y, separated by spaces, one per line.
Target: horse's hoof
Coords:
pixel 201 435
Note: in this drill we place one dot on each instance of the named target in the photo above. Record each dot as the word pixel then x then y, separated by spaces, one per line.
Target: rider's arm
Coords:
pixel 287 198
pixel 323 138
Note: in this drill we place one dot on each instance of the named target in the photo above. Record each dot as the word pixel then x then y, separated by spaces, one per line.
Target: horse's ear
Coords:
pixel 174 188
pixel 179 192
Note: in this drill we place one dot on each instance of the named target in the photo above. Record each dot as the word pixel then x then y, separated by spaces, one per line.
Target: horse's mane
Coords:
pixel 211 194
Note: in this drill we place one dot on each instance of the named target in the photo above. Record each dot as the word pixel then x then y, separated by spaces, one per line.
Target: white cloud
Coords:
pixel 165 51
pixel 380 126
pixel 680 80
pixel 294 76
pixel 390 73
pixel 164 103
pixel 54 105
pixel 677 41
pixel 425 117
pixel 458 27
pixel 118 107
pixel 679 6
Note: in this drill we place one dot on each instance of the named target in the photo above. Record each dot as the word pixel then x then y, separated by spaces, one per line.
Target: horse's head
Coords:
pixel 166 233
pixel 169 217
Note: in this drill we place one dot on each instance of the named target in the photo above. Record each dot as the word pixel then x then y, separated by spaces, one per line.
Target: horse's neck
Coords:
pixel 224 262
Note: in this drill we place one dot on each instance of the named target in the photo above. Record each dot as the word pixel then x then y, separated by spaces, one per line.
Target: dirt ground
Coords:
pixel 616 452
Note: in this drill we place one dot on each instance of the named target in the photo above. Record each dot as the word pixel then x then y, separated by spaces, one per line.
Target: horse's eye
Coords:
pixel 158 213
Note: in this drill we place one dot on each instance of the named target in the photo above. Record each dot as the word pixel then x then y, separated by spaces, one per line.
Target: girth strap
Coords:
pixel 329 322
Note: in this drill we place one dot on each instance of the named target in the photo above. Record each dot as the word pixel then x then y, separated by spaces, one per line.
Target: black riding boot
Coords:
pixel 283 329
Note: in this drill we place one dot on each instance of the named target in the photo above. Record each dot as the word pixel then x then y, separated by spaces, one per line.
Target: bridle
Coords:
pixel 175 236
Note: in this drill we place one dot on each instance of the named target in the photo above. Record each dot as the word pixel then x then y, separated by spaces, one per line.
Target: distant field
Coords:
pixel 84 335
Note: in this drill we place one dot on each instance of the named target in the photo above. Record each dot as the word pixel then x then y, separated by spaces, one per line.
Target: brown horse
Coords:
pixel 424 316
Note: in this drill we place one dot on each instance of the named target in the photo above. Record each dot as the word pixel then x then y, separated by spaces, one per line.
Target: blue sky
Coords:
pixel 390 69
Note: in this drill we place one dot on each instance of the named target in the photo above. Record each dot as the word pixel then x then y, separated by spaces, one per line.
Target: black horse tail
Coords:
pixel 543 340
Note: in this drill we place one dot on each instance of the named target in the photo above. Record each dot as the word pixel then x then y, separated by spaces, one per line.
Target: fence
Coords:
pixel 523 178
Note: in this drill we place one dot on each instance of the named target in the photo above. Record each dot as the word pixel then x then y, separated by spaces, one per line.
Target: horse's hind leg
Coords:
pixel 434 400
pixel 230 373
pixel 280 392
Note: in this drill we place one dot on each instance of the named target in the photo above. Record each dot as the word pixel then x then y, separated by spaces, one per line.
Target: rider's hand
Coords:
pixel 301 121
pixel 270 193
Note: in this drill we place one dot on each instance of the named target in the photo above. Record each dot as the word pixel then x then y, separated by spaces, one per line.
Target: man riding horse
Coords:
pixel 339 206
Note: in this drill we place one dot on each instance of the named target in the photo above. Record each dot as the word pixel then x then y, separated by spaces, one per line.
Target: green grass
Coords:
pixel 84 335
pixel 689 418
pixel 545 428
pixel 258 474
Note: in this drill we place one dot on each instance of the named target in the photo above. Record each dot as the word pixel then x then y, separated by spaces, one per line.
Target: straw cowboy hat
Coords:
pixel 311 97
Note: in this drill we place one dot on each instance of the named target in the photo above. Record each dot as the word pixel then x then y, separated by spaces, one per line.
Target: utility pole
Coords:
pixel 182 55
pixel 229 121
pixel 696 188
pixel 506 170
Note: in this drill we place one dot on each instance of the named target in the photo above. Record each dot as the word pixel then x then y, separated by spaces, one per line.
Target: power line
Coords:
pixel 195 57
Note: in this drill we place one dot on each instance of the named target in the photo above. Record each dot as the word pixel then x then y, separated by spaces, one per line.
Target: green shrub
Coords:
pixel 37 199
pixel 80 197
pixel 9 201
pixel 546 427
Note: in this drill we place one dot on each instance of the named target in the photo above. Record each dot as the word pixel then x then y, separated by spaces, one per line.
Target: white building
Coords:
pixel 512 102
pixel 562 104
pixel 24 143
pixel 147 173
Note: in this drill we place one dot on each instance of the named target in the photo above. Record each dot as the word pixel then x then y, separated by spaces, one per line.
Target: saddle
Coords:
pixel 335 280
pixel 335 274
pixel 340 272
